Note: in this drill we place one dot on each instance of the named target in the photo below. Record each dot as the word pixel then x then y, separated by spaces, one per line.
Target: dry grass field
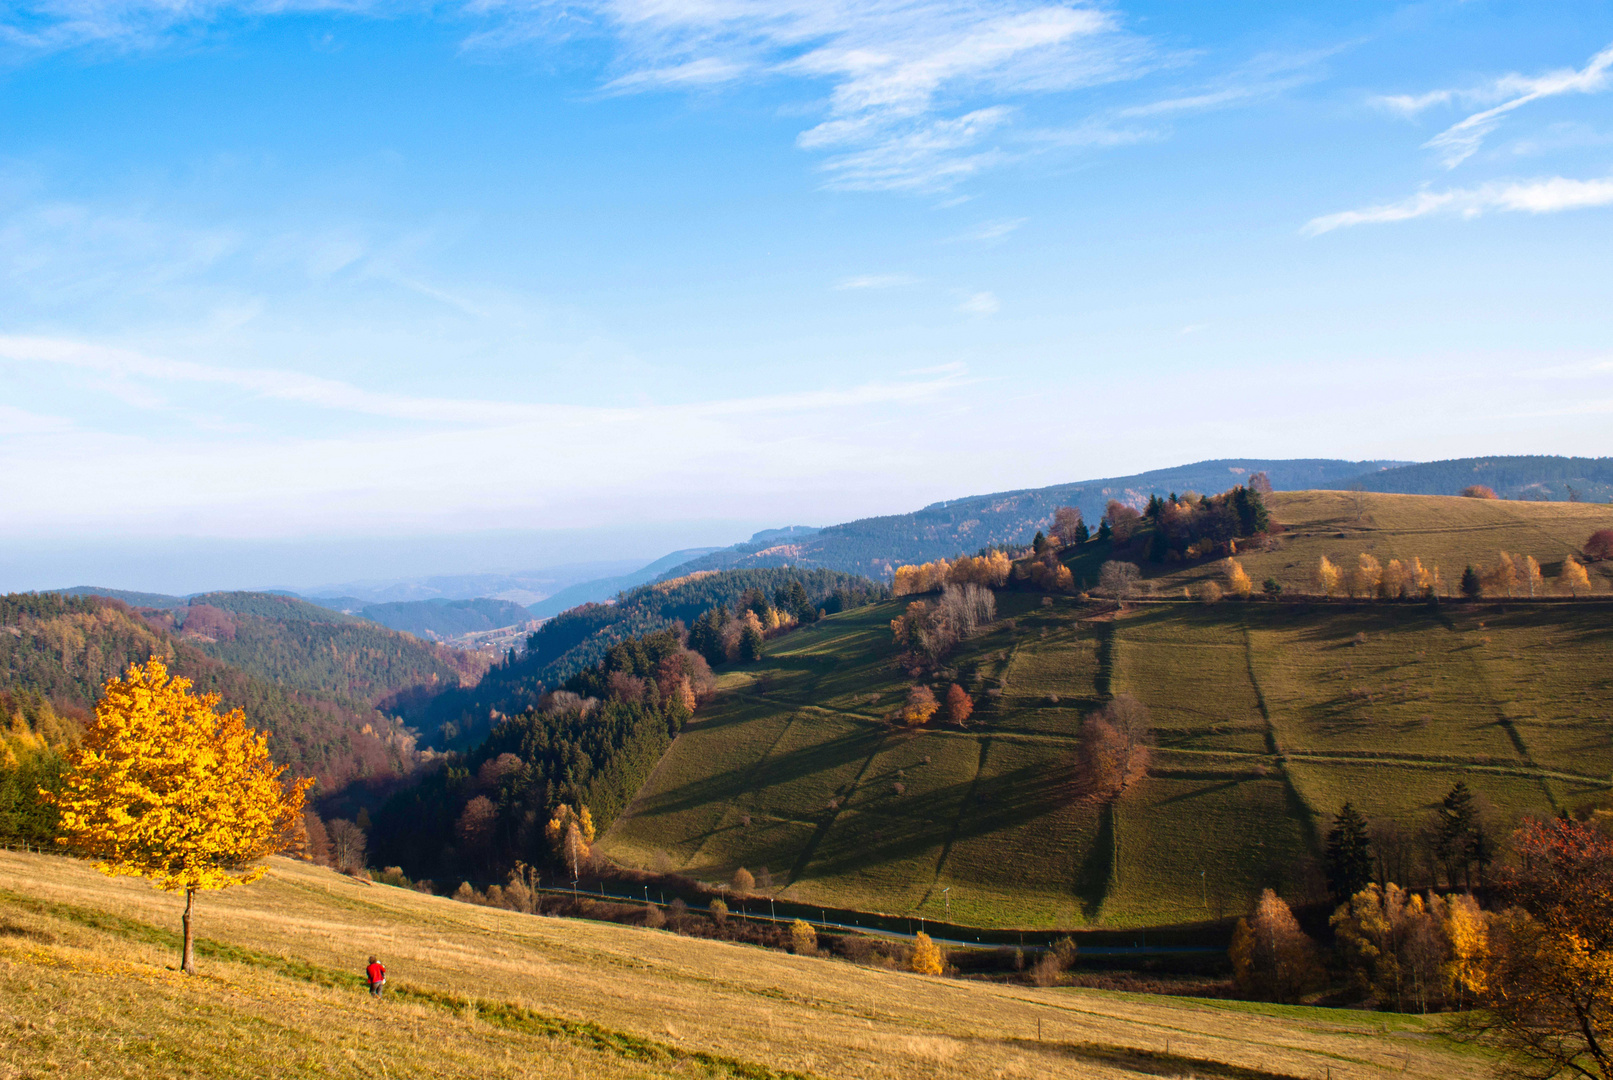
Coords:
pixel 88 988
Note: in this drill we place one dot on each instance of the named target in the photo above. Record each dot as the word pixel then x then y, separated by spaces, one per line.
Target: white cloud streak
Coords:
pixel 312 390
pixel 1462 140
pixel 1544 196
pixel 428 461
pixel 876 281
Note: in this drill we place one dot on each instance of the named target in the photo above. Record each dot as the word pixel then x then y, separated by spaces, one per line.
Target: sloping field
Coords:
pixel 1442 530
pixel 1268 717
pixel 88 989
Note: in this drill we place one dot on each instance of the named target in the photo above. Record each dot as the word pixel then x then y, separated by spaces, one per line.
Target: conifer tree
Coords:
pixel 1349 855
pixel 751 645
pixel 1472 585
pixel 1459 838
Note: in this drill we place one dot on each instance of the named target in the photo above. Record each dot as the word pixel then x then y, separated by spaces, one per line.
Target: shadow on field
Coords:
pixel 820 758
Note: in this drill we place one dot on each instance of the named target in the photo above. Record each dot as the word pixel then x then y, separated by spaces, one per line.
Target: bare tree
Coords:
pixel 349 847
pixel 1118 579
pixel 317 847
pixel 966 608
pixel 1066 524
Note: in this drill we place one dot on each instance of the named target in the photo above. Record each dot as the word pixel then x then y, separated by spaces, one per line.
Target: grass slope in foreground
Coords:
pixel 1267 718
pixel 87 981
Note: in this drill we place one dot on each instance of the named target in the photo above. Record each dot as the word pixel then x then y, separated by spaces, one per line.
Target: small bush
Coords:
pixel 654 918
pixel 718 910
pixel 803 939
pixel 744 882
pixel 466 894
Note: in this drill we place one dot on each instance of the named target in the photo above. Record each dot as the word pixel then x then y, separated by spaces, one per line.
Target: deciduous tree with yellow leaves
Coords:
pixel 165 787
pixel 570 833
pixel 1327 576
pixel 1238 583
pixel 927 956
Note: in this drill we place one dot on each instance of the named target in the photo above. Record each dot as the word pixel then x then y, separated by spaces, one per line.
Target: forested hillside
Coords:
pixel 304 647
pixel 1537 476
pixel 580 638
pixel 61 650
pixel 589 749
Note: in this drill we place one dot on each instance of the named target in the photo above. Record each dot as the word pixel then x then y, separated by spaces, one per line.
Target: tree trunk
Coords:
pixel 188 963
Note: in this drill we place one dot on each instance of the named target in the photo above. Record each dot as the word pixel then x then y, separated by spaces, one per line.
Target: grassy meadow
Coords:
pixel 89 988
pixel 1444 531
pixel 1267 717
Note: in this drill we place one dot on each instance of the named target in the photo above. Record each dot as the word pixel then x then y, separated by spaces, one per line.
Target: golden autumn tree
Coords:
pixel 1327 576
pixel 1574 580
pixel 570 833
pixel 1238 583
pixel 165 787
pixel 927 956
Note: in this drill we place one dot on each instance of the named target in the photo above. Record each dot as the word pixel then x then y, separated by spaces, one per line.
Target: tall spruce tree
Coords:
pixel 1456 823
pixel 1349 854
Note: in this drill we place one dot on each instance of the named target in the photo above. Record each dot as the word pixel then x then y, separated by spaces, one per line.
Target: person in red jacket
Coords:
pixel 377 976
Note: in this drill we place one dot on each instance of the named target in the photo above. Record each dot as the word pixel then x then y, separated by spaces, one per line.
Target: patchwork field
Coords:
pixel 88 989
pixel 1267 717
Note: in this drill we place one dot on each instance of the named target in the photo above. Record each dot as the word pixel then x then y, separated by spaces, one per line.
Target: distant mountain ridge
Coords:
pixel 874 546
pixel 602 589
pixel 1535 477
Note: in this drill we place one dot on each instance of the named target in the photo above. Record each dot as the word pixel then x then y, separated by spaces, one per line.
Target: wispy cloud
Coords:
pixel 1262 77
pixel 318 392
pixel 992 230
pixel 876 281
pixel 1462 139
pixel 443 461
pixel 981 303
pixel 1543 196
pixel 54 25
pixel 917 90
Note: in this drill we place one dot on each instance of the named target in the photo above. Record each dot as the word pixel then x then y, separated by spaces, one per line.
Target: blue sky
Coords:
pixel 666 271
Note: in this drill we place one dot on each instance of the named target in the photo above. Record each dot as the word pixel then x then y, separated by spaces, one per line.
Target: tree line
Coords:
pixel 1529 973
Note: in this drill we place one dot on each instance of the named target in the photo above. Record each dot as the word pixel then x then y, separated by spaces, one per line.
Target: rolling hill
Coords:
pixel 64 648
pixel 86 972
pixel 1442 531
pixel 873 546
pixel 1268 716
pixel 305 648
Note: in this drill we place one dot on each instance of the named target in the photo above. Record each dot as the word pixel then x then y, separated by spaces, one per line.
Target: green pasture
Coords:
pixel 1267 718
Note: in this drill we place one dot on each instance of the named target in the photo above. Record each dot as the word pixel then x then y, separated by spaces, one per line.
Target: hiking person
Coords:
pixel 377 976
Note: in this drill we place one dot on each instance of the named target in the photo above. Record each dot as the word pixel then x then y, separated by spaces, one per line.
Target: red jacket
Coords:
pixel 376 972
